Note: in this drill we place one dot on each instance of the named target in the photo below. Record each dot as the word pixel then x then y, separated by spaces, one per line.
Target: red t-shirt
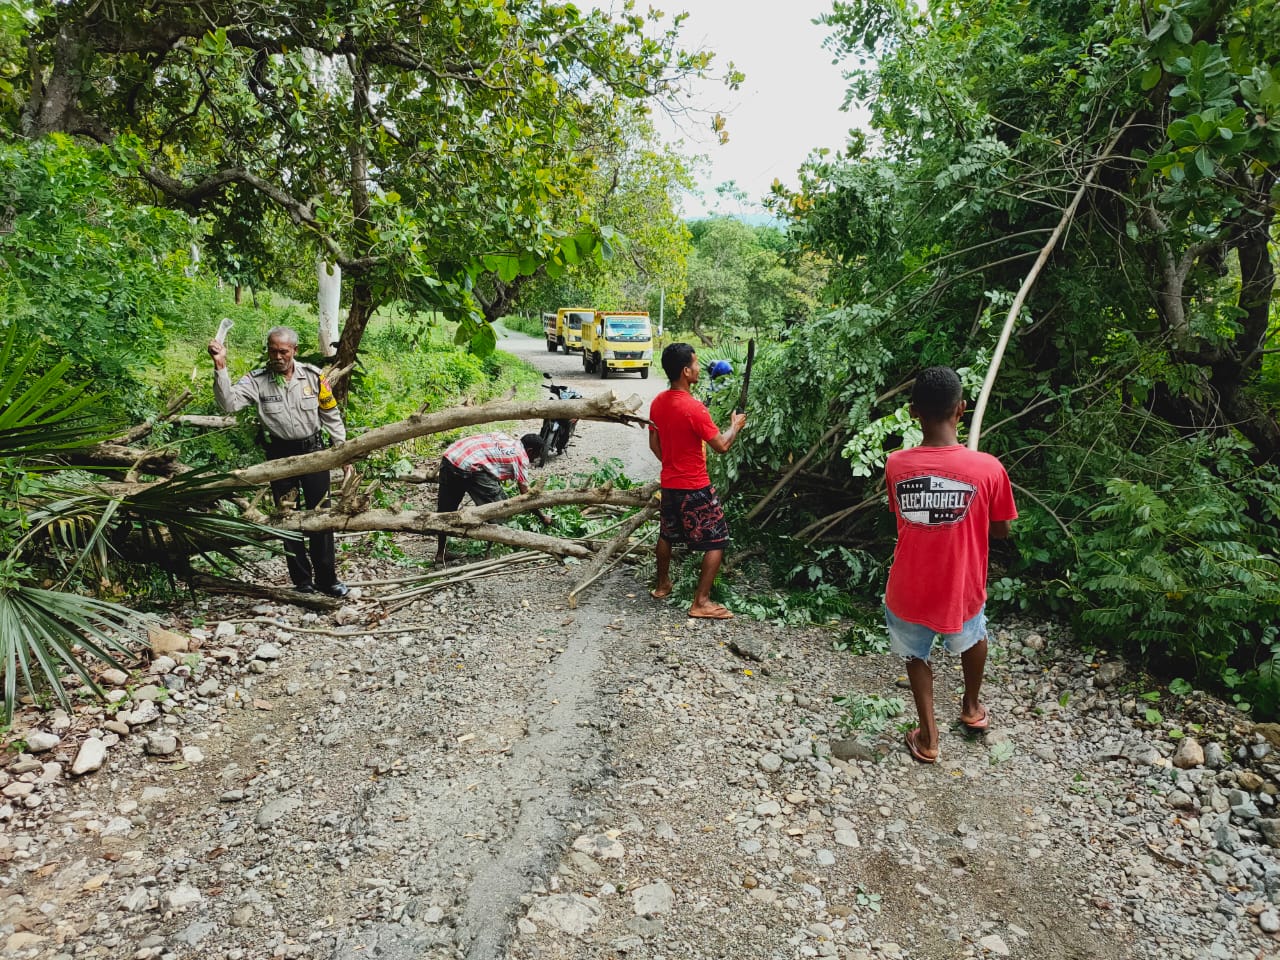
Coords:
pixel 945 499
pixel 682 424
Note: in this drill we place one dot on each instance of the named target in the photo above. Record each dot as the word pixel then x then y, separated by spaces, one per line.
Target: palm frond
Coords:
pixel 42 631
pixel 175 518
pixel 40 414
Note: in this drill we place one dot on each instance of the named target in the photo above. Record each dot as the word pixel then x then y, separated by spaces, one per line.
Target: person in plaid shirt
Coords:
pixel 477 465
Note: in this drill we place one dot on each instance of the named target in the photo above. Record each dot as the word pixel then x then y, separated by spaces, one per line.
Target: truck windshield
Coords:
pixel 575 320
pixel 626 328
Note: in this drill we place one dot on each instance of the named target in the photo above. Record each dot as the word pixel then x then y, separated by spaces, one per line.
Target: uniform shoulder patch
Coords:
pixel 327 401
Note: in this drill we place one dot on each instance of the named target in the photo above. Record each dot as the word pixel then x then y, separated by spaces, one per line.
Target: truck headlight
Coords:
pixel 646 355
pixel 608 355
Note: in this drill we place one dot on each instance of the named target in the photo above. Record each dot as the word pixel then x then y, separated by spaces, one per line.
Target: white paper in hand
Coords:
pixel 226 324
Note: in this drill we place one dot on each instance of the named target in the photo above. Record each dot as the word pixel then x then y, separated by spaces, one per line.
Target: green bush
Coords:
pixel 99 276
pixel 1186 577
pixel 532 325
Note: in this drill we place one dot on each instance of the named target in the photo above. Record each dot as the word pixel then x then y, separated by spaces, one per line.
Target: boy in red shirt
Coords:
pixel 949 501
pixel 691 511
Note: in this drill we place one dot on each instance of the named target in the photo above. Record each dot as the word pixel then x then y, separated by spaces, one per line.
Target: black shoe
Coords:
pixel 305 588
pixel 338 589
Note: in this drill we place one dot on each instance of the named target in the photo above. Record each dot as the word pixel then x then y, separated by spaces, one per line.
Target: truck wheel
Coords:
pixel 604 369
pixel 551 346
pixel 644 373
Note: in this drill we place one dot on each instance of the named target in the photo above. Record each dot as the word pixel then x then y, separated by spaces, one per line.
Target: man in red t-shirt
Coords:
pixel 691 511
pixel 949 502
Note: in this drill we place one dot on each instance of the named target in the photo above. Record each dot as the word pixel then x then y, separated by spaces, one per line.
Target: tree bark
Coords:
pixel 362 301
pixel 212 584
pixel 54 103
pixel 358 317
pixel 162 463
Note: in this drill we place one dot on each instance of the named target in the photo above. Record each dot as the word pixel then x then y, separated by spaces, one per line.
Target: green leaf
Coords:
pixel 1204 162
pixel 485 340
pixel 1151 76
pixel 1182 31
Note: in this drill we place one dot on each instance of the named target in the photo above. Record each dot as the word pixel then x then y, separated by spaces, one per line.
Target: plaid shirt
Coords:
pixel 496 453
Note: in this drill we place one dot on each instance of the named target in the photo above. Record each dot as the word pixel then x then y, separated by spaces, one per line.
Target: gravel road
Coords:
pixel 602 441
pixel 488 774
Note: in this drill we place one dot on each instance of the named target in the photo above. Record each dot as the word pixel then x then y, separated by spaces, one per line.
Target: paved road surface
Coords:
pixel 602 441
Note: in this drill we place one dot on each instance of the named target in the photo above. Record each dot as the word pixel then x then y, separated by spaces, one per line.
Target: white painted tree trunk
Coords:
pixel 330 278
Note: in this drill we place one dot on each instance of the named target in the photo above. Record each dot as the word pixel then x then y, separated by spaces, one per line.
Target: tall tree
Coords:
pixel 419 145
pixel 739 277
pixel 1134 406
pixel 632 186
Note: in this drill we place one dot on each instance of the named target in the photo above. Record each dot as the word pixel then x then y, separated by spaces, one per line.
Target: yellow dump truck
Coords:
pixel 617 340
pixel 568 326
pixel 549 330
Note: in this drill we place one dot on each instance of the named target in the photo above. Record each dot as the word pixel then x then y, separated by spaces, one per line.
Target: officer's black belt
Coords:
pixel 288 448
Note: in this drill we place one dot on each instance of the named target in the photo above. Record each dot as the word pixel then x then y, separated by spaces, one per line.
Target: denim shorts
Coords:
pixel 913 640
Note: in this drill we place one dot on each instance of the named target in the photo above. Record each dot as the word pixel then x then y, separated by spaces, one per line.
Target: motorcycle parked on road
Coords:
pixel 557 433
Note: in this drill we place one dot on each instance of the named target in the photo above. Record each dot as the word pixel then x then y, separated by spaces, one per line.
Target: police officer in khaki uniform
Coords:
pixel 294 402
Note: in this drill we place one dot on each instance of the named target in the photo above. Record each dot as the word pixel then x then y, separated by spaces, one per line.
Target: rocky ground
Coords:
pixel 489 774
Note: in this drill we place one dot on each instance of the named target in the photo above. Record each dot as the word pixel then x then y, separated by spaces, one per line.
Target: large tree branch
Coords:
pixel 300 211
pixel 605 406
pixel 975 429
pixel 476 522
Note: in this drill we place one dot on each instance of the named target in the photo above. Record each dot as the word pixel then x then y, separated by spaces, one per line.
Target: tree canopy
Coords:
pixel 1137 400
pixel 417 146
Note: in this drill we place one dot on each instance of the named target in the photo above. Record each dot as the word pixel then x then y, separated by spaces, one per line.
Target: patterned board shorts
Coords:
pixel 694 518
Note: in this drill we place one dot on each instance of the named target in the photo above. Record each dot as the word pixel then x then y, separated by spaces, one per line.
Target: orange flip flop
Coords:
pixel 916 751
pixel 717 612
pixel 980 725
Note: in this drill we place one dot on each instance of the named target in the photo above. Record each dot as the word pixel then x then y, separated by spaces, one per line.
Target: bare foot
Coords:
pixel 710 611
pixel 661 591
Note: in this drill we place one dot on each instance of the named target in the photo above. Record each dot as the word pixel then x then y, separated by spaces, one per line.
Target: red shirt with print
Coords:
pixel 945 499
pixel 683 425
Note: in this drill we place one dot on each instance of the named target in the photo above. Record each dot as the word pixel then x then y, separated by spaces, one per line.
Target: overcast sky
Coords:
pixel 789 104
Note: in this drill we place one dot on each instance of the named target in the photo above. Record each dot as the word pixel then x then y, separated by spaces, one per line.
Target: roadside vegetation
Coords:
pixel 1135 407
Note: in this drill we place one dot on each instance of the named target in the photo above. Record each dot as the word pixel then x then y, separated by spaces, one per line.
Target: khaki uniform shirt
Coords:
pixel 294 410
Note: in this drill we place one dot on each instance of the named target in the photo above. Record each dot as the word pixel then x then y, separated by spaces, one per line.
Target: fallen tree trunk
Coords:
pixel 162 463
pixel 205 422
pixel 425 475
pixel 474 522
pixel 606 406
pixel 212 584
